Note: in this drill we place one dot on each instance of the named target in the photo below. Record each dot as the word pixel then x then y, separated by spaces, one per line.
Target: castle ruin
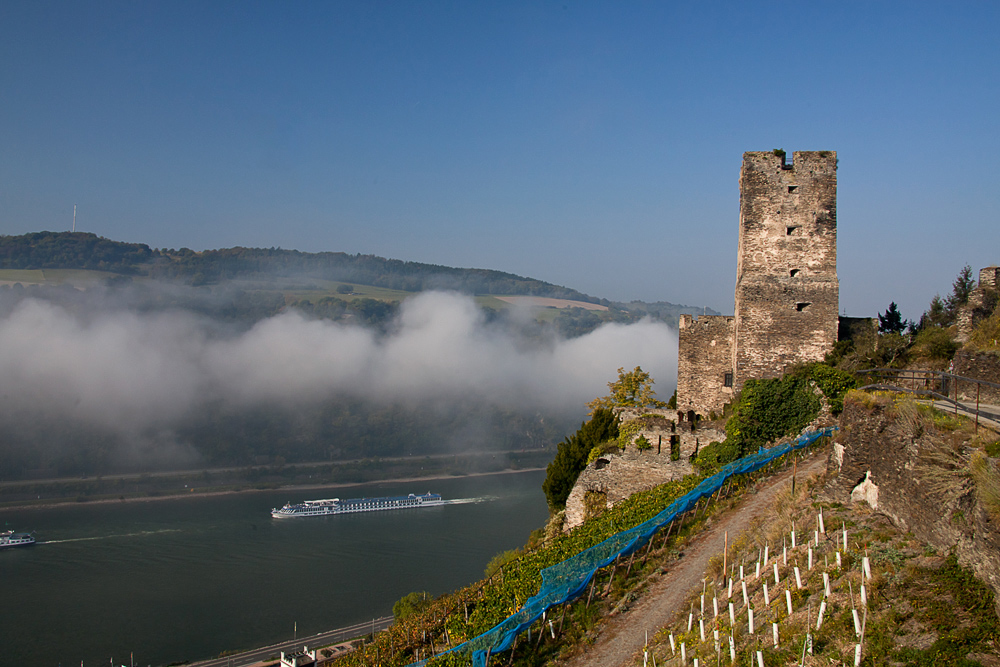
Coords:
pixel 787 292
pixel 787 298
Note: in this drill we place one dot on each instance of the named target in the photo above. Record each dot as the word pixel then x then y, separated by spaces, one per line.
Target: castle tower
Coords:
pixel 787 292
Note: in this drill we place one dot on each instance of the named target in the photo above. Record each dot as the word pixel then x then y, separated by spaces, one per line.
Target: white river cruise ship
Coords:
pixel 351 505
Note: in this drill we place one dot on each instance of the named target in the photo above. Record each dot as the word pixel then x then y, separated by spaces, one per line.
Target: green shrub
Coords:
pixel 767 410
pixel 936 343
pixel 834 384
pixel 770 409
pixel 410 604
pixel 986 335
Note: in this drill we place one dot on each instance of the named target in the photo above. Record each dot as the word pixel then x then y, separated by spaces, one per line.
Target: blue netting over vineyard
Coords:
pixel 567 580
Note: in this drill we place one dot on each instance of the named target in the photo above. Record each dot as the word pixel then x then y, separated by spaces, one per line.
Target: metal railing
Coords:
pixel 937 385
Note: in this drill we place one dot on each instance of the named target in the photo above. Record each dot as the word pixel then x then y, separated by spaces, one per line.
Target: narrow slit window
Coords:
pixel 802 305
pixel 727 380
pixel 790 230
pixel 793 188
pixel 793 273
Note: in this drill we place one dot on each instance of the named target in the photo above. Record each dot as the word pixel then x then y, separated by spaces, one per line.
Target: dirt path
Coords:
pixel 622 637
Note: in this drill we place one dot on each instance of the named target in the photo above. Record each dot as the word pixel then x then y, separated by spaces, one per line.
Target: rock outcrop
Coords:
pixel 892 456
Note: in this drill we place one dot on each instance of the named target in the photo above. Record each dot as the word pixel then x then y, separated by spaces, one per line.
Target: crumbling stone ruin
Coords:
pixel 787 291
pixel 611 478
pixel 982 301
pixel 974 363
pixel 787 298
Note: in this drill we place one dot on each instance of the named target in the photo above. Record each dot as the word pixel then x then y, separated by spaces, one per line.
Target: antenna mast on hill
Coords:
pixel 74 217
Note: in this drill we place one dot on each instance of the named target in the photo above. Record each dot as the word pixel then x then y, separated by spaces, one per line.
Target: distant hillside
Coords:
pixel 87 251
pixel 81 250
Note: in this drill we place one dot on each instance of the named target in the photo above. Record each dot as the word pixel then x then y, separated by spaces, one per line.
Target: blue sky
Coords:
pixel 594 145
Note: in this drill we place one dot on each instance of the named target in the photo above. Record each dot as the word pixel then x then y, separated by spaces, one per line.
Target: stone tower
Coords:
pixel 787 292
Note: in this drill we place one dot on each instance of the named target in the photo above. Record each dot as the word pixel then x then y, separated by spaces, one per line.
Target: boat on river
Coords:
pixel 10 539
pixel 353 505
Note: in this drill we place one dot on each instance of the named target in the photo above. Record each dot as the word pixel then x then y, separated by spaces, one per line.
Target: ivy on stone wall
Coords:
pixel 627 432
pixel 768 410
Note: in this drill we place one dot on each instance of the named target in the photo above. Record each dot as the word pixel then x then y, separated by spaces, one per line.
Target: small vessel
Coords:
pixel 11 539
pixel 352 505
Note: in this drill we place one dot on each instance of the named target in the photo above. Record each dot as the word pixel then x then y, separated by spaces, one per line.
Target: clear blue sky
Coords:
pixel 594 145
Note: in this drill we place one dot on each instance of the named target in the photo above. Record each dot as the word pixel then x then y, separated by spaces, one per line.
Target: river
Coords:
pixel 187 578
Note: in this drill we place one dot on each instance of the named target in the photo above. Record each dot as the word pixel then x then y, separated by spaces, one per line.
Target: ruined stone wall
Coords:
pixel 704 364
pixel 990 277
pixel 614 477
pixel 787 291
pixel 982 301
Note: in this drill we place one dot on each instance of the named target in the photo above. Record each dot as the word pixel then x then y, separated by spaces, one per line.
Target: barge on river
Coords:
pixel 352 505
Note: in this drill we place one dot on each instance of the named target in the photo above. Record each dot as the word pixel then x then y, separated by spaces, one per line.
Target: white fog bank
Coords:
pixel 128 371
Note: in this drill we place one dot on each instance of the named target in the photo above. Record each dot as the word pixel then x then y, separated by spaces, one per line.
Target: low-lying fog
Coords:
pixel 130 373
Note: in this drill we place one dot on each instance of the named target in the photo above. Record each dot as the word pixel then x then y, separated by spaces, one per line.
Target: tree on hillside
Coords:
pixel 937 315
pixel 960 290
pixel 944 312
pixel 632 389
pixel 891 322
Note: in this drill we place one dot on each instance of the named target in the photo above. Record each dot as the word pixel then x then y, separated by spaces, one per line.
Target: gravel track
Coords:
pixel 622 636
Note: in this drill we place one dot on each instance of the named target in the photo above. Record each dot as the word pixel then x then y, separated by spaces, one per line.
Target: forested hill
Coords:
pixel 82 250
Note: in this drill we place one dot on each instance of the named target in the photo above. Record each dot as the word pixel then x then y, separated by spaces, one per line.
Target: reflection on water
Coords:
pixel 186 579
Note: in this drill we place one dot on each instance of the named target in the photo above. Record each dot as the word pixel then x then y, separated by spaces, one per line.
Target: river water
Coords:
pixel 185 579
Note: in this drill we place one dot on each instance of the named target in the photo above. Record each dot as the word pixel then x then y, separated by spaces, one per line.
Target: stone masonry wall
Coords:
pixel 990 277
pixel 982 301
pixel 704 360
pixel 787 291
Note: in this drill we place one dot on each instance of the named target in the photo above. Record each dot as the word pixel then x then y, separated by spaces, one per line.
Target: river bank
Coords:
pixel 135 487
pixel 203 493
